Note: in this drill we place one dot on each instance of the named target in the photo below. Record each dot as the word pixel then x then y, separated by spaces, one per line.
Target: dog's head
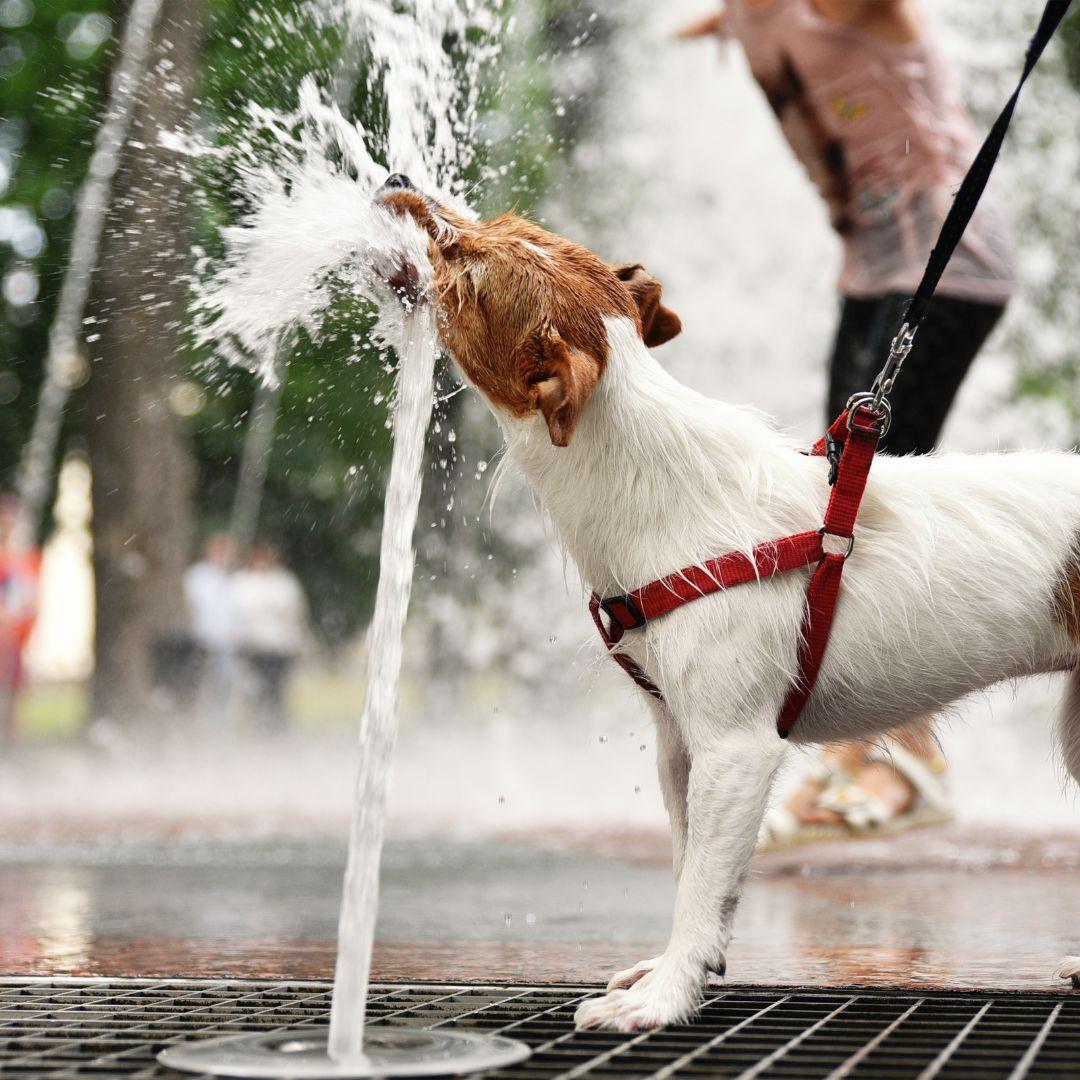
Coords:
pixel 522 310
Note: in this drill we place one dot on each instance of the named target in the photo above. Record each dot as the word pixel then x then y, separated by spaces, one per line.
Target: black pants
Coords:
pixel 272 674
pixel 947 342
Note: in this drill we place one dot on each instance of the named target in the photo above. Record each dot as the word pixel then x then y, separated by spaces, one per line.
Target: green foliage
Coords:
pixel 53 55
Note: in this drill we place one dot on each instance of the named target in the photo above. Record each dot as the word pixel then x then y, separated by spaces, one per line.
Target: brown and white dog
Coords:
pixel 965 570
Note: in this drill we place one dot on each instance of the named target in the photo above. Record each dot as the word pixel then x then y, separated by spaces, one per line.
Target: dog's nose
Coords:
pixel 398 181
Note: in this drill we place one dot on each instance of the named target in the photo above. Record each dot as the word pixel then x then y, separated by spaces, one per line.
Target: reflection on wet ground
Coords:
pixel 996 912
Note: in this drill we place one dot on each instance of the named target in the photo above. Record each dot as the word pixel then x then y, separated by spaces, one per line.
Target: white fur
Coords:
pixel 951 587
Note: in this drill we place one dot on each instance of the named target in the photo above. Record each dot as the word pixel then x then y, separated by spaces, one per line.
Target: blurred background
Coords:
pixel 181 502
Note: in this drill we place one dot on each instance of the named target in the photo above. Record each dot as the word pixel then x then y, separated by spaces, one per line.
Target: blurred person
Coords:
pixel 869 105
pixel 20 566
pixel 208 597
pixel 271 613
pixel 211 625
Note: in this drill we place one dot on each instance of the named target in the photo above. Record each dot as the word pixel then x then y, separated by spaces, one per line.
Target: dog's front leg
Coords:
pixel 728 786
pixel 673 768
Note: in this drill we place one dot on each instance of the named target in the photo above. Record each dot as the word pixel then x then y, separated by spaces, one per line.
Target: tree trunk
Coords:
pixel 140 455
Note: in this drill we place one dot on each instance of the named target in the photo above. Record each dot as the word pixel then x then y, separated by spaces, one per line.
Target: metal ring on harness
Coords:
pixel 869 400
pixel 848 542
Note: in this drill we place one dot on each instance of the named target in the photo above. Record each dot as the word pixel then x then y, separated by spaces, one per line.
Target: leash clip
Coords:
pixel 898 353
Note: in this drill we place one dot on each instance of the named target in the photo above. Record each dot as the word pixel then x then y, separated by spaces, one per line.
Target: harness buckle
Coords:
pixel 847 542
pixel 623 612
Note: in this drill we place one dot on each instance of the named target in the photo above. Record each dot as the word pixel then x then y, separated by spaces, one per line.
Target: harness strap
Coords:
pixel 858 431
pixel 659 597
pixel 856 435
pixel 627 663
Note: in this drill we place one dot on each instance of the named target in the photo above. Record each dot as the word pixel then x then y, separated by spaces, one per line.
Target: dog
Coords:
pixel 965 569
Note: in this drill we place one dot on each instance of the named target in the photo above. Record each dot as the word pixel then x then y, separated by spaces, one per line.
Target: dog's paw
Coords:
pixel 661 999
pixel 1069 968
pixel 623 980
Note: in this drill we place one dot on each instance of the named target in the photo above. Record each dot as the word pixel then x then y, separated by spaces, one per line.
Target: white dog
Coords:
pixel 965 569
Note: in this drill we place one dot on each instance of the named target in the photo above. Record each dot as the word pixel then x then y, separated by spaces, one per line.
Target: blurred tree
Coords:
pixel 140 454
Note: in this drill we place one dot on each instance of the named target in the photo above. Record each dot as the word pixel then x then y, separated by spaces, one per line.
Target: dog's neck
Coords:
pixel 658 477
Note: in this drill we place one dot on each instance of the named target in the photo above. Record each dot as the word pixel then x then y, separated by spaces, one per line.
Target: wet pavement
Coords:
pixel 958 908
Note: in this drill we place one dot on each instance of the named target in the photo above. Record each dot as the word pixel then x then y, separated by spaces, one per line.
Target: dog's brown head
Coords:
pixel 521 310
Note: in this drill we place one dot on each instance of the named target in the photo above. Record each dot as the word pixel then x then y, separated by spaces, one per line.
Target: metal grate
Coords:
pixel 75 1028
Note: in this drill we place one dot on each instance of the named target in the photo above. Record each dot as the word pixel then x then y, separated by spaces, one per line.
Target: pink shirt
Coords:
pixel 882 131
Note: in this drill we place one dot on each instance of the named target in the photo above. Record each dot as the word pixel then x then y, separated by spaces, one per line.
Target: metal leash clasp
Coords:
pixel 898 353
pixel 877 398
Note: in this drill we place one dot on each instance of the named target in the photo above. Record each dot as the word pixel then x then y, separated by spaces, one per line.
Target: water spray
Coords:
pixel 316 228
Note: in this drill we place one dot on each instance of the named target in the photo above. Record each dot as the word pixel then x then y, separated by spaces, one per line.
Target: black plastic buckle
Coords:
pixel 833 450
pixel 623 612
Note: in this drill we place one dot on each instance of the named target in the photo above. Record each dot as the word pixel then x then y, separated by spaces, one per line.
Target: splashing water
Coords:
pixel 309 175
pixel 314 230
pixel 378 727
pixel 431 110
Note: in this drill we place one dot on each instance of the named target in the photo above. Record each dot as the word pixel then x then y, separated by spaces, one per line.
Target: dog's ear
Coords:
pixel 658 323
pixel 559 381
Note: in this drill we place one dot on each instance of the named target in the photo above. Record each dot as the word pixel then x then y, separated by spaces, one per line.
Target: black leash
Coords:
pixel 963 207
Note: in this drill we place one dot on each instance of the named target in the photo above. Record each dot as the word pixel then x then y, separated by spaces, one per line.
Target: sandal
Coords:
pixel 864 814
pixel 782 827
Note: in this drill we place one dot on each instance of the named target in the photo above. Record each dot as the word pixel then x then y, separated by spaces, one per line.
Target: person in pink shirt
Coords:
pixel 868 103
pixel 19 570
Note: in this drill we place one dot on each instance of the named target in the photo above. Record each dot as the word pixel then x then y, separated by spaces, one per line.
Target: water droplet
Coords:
pixel 603 739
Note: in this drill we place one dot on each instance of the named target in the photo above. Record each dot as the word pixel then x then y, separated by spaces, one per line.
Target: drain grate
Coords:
pixel 76 1028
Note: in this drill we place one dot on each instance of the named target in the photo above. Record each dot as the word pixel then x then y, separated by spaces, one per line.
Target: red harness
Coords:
pixel 850 445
